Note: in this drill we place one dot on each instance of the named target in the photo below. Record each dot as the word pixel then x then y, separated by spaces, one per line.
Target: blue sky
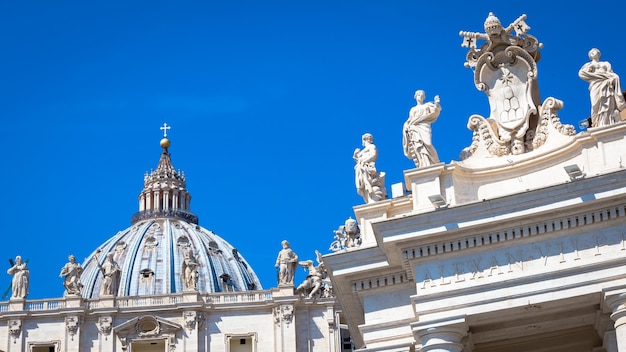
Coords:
pixel 267 101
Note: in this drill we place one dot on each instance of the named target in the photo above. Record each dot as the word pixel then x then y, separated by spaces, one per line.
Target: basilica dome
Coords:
pixel 165 250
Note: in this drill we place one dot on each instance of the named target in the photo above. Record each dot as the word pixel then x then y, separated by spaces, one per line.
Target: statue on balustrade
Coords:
pixel 21 279
pixel 605 90
pixel 286 263
pixel 71 272
pixel 370 183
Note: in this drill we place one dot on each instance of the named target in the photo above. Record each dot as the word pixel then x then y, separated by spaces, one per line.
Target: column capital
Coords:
pixel 615 300
pixel 441 335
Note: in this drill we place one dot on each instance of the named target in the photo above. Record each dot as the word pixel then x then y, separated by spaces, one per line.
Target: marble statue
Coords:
pixel 21 278
pixel 604 88
pixel 190 271
pixel 71 271
pixel 286 262
pixel 346 236
pixel 505 69
pixel 370 184
pixel 311 286
pixel 111 271
pixel 417 134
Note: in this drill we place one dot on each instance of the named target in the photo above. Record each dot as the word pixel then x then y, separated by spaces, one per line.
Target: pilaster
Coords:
pixel 284 319
pixel 191 319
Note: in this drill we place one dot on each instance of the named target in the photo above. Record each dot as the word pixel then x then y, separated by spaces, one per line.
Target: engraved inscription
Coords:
pixel 519 261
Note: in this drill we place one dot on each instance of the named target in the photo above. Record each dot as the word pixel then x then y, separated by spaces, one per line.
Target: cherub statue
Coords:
pixel 370 184
pixel 314 281
pixel 605 90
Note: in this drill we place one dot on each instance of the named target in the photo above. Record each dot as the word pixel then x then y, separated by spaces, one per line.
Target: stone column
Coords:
pixel 149 204
pixel 441 335
pixel 615 299
pixel 166 200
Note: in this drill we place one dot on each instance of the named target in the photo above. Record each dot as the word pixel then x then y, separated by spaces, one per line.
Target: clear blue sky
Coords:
pixel 267 101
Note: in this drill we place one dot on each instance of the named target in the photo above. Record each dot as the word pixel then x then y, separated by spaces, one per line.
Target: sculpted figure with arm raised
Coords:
pixel 417 133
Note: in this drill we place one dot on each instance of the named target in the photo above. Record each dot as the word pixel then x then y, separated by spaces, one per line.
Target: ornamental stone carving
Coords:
pixel 347 235
pixel 105 324
pixel 505 68
pixel 283 313
pixel 147 327
pixel 191 319
pixel 15 328
pixel 71 325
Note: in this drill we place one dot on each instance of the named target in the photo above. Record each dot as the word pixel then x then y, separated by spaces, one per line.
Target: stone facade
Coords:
pixel 520 246
pixel 264 320
pixel 167 284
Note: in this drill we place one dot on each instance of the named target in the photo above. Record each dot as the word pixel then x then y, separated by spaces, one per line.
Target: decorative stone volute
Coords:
pixel 505 68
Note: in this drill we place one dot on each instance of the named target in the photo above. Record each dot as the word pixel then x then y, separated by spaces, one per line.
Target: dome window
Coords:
pixel 147 273
pixel 182 243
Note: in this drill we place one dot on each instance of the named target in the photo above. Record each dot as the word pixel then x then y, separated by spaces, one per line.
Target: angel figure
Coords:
pixel 314 281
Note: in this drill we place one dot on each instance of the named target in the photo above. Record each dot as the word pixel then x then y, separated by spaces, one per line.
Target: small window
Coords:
pixel 44 349
pixel 241 343
pixel 51 346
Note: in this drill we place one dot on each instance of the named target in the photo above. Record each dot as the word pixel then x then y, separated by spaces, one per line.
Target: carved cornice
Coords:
pixel 593 216
pixel 380 281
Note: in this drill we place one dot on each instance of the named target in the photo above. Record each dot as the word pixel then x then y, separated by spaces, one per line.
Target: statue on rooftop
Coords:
pixel 71 272
pixel 312 285
pixel 370 183
pixel 286 262
pixel 605 90
pixel 417 134
pixel 505 68
pixel 21 278
pixel 346 236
